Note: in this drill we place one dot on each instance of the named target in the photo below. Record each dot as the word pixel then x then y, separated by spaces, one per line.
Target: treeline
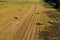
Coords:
pixel 55 3
pixel 58 4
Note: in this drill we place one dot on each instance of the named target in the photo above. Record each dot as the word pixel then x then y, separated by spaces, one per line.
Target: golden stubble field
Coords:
pixel 28 21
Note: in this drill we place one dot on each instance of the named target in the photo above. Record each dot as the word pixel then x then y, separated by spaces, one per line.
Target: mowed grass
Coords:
pixel 8 24
pixel 8 9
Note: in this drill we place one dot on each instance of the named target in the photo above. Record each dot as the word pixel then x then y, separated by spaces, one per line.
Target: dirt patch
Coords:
pixel 38 13
pixel 53 32
pixel 39 23
pixel 53 14
pixel 19 10
pixel 15 17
